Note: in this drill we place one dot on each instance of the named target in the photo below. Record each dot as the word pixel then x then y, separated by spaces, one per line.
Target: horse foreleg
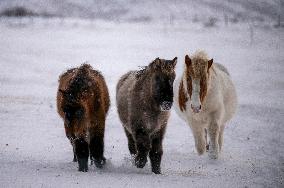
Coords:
pixel 143 147
pixel 71 138
pixel 97 147
pixel 199 137
pixel 82 153
pixel 131 143
pixel 213 131
pixel 156 151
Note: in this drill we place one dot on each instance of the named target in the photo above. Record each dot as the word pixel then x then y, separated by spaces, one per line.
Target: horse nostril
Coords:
pixel 196 109
pixel 166 105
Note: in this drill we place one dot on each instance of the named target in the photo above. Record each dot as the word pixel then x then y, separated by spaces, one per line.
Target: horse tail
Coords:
pixel 121 80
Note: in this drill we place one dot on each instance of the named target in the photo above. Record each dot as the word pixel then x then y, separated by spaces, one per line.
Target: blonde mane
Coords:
pixel 199 60
pixel 200 54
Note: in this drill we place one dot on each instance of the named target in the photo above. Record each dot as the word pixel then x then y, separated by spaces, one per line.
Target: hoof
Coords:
pixel 83 164
pixel 99 163
pixel 156 170
pixel 213 154
pixel 201 150
pixel 140 162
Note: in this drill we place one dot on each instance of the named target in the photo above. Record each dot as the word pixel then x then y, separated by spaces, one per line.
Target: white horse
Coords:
pixel 205 97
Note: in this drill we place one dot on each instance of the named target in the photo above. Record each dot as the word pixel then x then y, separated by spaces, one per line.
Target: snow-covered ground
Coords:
pixel 34 151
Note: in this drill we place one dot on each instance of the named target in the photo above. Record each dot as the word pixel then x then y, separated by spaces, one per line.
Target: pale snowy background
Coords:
pixel 117 36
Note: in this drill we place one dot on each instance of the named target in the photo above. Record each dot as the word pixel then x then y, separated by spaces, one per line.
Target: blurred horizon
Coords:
pixel 153 11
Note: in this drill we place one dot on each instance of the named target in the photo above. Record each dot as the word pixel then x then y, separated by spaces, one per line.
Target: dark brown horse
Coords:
pixel 144 99
pixel 83 102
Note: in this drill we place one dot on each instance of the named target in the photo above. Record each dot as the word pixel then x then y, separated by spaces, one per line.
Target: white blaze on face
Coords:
pixel 195 97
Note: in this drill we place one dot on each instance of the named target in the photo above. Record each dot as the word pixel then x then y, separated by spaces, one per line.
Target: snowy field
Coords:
pixel 34 151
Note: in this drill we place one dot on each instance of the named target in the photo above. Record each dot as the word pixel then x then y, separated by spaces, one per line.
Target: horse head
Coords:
pixel 163 75
pixel 197 76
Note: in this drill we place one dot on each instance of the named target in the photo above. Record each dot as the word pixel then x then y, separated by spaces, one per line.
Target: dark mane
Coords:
pixel 141 72
pixel 69 71
pixel 81 83
pixel 158 65
pixel 145 69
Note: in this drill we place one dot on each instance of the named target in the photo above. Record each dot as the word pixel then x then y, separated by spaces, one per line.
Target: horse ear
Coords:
pixel 174 61
pixel 157 64
pixel 210 62
pixel 187 61
pixel 157 60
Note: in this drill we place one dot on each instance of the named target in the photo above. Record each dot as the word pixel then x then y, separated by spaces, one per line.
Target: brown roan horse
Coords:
pixel 144 99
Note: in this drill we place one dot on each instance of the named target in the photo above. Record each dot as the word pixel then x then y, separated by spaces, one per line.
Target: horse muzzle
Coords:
pixel 196 109
pixel 166 105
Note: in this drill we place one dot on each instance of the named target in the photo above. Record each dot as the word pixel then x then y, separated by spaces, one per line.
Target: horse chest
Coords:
pixel 201 117
pixel 152 123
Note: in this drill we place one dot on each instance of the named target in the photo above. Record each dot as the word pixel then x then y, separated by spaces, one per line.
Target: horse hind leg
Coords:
pixel 206 139
pixel 220 139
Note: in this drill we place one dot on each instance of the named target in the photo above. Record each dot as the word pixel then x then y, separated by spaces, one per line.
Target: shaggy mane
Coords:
pixel 141 72
pixel 161 65
pixel 200 54
pixel 81 82
pixel 144 69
